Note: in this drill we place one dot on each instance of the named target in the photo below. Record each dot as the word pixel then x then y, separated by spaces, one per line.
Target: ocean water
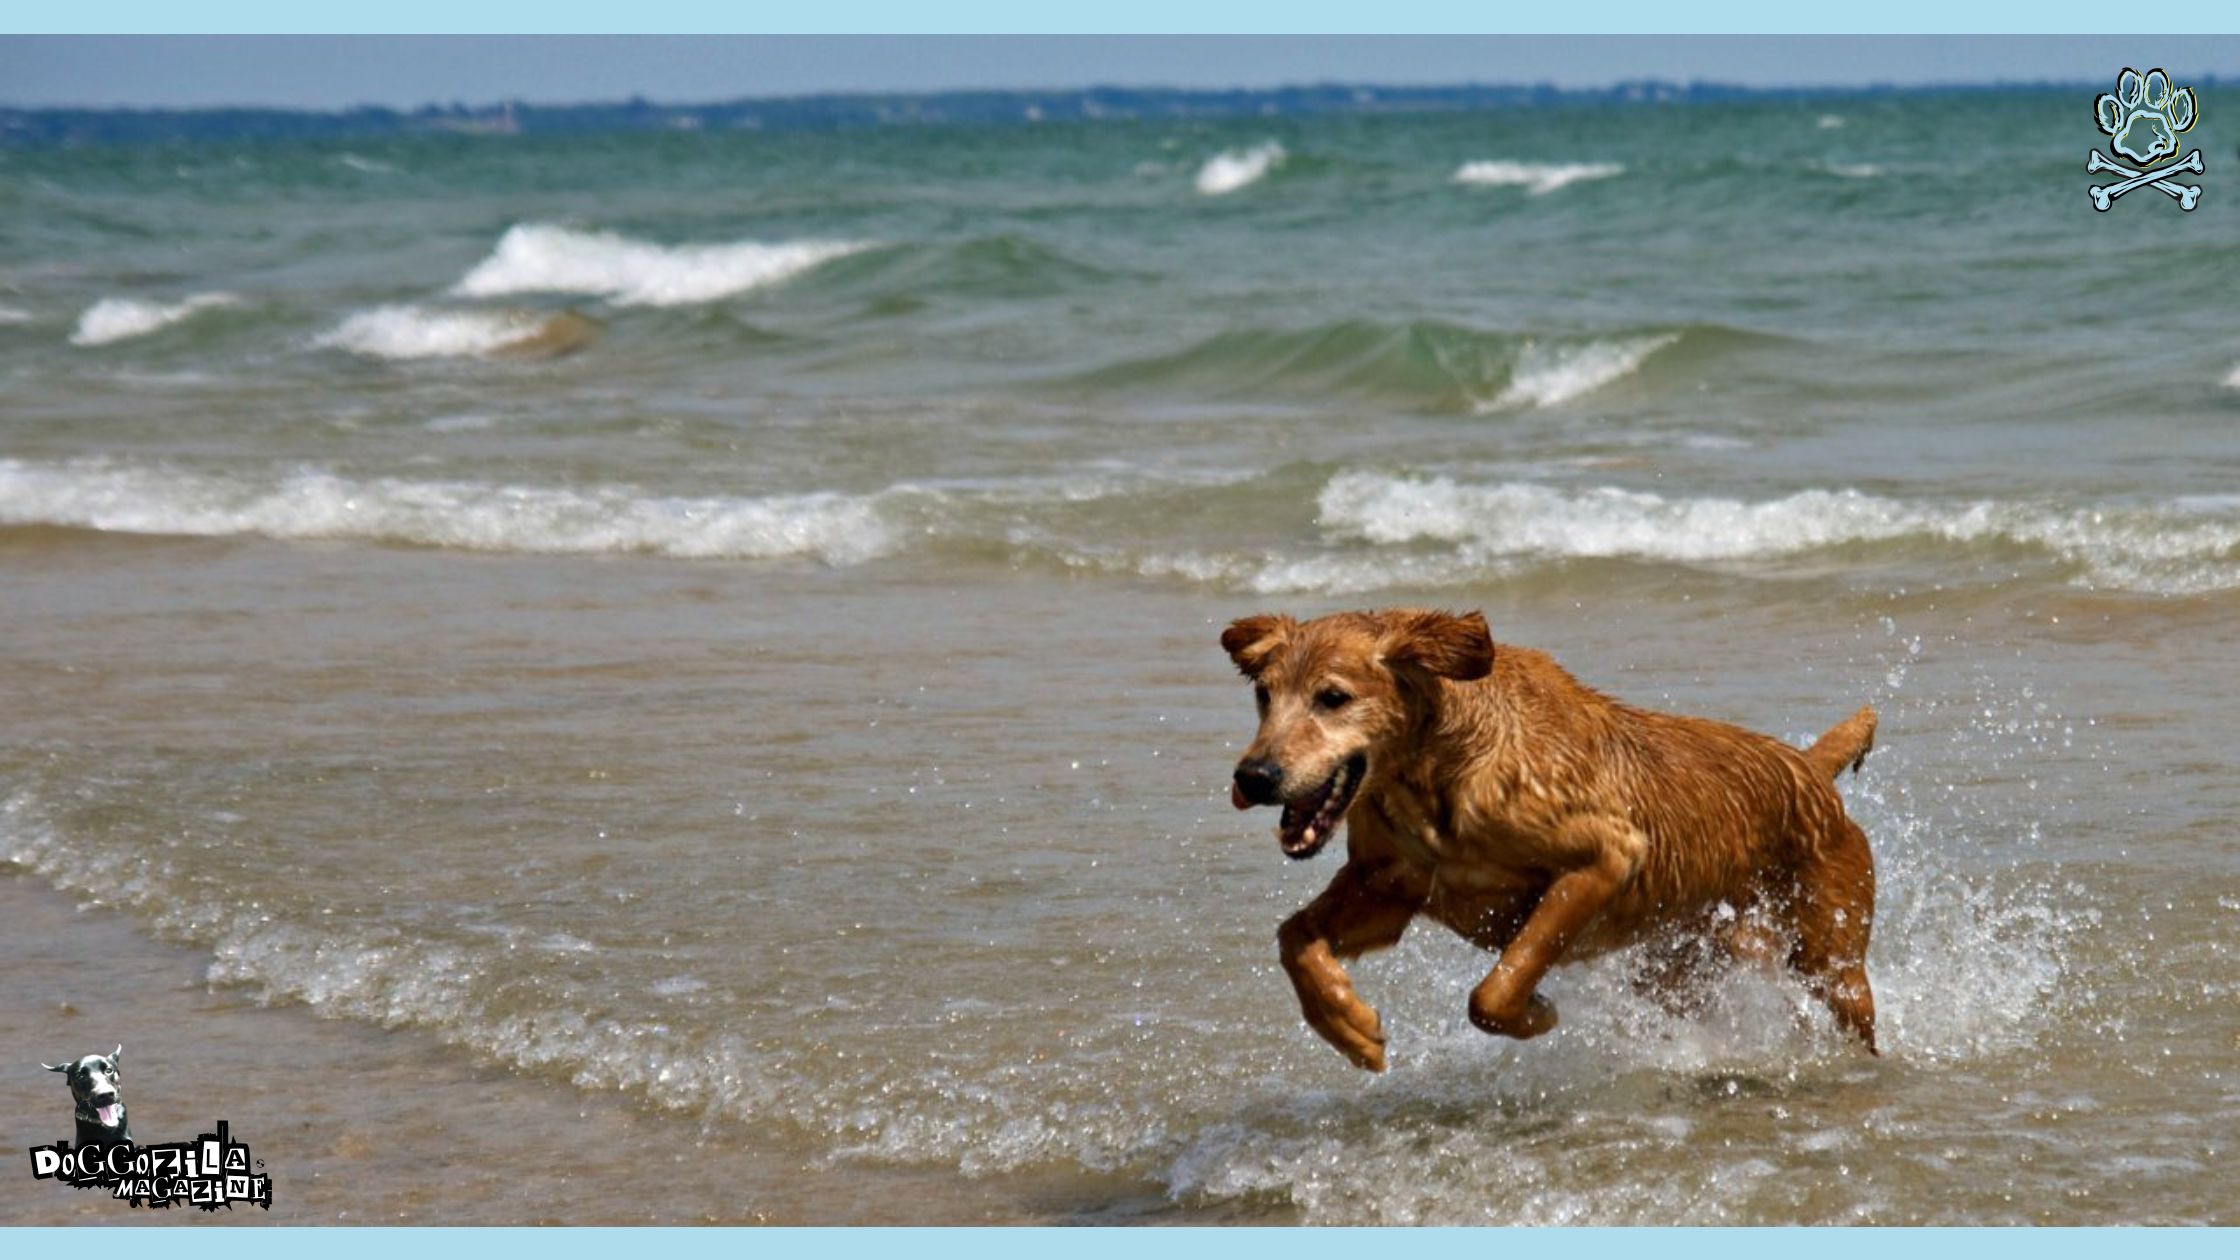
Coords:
pixel 674 677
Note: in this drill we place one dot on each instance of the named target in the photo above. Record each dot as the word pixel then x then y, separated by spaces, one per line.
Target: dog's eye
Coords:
pixel 1332 698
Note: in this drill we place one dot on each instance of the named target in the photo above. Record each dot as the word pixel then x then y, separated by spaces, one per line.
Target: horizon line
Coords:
pixel 1398 90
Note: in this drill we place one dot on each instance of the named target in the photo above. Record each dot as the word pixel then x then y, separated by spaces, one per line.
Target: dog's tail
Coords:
pixel 1847 743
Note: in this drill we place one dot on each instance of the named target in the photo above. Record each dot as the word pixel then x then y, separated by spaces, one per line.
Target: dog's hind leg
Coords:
pixel 1364 908
pixel 1833 914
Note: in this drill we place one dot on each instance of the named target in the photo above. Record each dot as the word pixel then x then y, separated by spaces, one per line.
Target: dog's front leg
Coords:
pixel 1598 854
pixel 1364 908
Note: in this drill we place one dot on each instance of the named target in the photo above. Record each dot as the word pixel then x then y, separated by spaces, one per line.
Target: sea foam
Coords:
pixel 543 258
pixel 1536 178
pixel 1226 172
pixel 121 319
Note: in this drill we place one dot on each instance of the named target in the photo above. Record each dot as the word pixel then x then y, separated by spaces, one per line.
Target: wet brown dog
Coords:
pixel 1489 789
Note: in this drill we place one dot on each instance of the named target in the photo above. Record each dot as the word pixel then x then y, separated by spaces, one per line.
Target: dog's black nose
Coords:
pixel 1258 780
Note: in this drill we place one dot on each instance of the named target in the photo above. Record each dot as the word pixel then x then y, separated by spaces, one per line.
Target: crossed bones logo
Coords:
pixel 2142 119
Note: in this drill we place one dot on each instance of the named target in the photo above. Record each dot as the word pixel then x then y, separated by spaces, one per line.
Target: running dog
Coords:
pixel 1485 787
pixel 100 1107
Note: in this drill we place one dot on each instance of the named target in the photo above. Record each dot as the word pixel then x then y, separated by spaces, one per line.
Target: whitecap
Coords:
pixel 120 319
pixel 542 258
pixel 1228 171
pixel 1536 178
pixel 14 315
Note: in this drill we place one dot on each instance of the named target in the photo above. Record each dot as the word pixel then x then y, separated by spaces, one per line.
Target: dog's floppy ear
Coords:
pixel 1252 641
pixel 1439 643
pixel 56 1067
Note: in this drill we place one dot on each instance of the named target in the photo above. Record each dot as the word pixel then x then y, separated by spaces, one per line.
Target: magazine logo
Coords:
pixel 211 1172
pixel 2143 119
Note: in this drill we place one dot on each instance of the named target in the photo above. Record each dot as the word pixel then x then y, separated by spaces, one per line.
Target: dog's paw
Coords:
pixel 1358 1034
pixel 2144 115
pixel 1536 1016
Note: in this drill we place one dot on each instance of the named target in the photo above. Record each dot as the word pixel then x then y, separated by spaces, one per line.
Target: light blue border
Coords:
pixel 1143 17
pixel 1189 1243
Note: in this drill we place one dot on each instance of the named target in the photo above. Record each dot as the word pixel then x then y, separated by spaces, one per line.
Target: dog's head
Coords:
pixel 94 1082
pixel 1337 697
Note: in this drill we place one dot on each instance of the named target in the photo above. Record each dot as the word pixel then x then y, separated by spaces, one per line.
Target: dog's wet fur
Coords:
pixel 1483 786
pixel 97 1094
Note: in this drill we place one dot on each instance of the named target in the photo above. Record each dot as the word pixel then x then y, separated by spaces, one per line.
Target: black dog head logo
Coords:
pixel 2144 115
pixel 94 1087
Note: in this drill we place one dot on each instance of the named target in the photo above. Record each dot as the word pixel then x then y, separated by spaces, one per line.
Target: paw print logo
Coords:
pixel 2144 115
pixel 2142 119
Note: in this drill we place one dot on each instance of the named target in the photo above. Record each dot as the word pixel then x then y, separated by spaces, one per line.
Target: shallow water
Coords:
pixel 707 644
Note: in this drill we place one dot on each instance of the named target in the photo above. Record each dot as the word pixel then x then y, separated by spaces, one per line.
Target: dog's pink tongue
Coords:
pixel 1236 797
pixel 108 1114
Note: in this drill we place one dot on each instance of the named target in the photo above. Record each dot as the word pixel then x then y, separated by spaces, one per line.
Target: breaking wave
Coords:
pixel 834 528
pixel 2166 549
pixel 543 258
pixel 1228 171
pixel 416 332
pixel 121 319
pixel 1548 374
pixel 1536 178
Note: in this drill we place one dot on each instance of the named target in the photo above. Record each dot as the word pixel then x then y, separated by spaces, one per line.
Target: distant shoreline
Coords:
pixel 50 127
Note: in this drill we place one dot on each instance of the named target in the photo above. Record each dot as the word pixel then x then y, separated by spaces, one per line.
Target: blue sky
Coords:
pixel 332 72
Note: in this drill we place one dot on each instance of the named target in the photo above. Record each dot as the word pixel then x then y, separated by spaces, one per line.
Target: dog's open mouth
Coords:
pixel 106 1113
pixel 1309 821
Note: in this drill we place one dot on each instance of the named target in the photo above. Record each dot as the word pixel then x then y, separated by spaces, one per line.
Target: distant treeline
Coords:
pixel 46 127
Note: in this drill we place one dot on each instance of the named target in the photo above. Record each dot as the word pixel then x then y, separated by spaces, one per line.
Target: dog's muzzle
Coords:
pixel 1311 817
